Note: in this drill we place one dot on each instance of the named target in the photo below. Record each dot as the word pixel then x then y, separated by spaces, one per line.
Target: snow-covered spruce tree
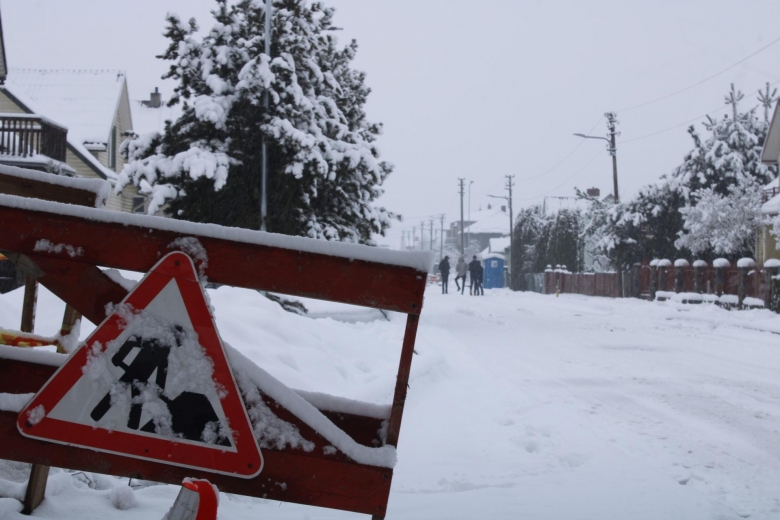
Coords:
pixel 324 168
pixel 527 231
pixel 610 225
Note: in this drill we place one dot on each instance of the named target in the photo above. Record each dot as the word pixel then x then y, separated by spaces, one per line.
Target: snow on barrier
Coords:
pixel 343 451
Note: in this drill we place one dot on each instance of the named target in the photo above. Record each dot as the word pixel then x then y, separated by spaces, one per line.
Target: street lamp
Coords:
pixel 612 149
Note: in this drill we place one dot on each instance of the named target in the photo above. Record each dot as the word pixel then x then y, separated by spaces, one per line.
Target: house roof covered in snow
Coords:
pixel 771 152
pixel 772 206
pixel 147 119
pixel 85 101
pixel 499 245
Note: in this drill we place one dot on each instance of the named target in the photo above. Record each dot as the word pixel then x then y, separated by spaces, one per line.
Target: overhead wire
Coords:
pixel 708 78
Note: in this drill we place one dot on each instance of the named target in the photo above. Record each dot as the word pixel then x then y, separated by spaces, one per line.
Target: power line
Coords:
pixel 684 123
pixel 689 87
pixel 565 181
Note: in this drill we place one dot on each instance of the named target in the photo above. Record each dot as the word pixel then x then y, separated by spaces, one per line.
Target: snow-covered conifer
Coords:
pixel 325 173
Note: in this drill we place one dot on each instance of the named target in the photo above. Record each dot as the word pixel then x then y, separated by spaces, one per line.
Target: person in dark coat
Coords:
pixel 480 279
pixel 474 275
pixel 444 269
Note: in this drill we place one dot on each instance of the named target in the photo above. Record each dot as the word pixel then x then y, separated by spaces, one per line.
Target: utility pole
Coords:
pixel 422 235
pixel 509 185
pixel 431 244
pixel 264 165
pixel 611 124
pixel 468 235
pixel 441 250
pixel 414 238
pixel 612 149
pixel 462 249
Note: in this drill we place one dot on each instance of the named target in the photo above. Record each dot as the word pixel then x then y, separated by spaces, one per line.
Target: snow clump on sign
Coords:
pixel 192 247
pixel 50 247
pixel 189 369
pixel 36 415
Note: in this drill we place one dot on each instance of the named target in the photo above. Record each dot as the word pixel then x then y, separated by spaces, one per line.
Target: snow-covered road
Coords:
pixel 520 406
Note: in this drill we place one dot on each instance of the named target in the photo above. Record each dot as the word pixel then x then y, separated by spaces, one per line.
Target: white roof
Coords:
pixel 772 206
pixel 771 152
pixel 499 245
pixel 494 222
pixel 147 119
pixel 85 101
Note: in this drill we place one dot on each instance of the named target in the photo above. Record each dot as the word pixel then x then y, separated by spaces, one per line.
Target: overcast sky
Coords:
pixel 476 89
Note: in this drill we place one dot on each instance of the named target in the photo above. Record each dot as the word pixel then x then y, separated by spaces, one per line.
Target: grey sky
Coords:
pixel 476 89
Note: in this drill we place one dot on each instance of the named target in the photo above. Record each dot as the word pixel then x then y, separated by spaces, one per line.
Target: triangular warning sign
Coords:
pixel 151 382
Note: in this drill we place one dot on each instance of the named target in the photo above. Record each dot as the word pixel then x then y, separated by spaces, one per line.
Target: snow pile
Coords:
pixel 772 263
pixel 664 263
pixel 654 262
pixel 664 295
pixel 687 297
pixel 729 299
pixel 744 263
pixel 14 402
pixel 721 263
pixel 681 262
pixel 117 277
pixel 699 263
pixel 47 246
pixel 123 498
pixel 753 302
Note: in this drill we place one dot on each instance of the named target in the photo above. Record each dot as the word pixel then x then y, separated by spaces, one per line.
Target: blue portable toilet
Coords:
pixel 494 271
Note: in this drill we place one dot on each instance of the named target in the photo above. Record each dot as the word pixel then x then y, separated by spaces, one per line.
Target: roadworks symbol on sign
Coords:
pixel 152 382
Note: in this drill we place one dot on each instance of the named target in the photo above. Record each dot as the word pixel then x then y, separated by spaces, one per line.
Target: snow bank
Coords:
pixel 744 263
pixel 687 297
pixel 720 263
pixel 421 261
pixel 753 302
pixel 99 187
pixel 729 299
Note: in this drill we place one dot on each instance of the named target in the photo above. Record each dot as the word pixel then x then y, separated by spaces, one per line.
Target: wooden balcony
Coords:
pixel 29 136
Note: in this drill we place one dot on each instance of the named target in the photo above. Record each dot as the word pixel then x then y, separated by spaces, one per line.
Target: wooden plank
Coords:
pixel 29 303
pixel 32 188
pixel 36 488
pixel 288 477
pixel 83 287
pixel 402 380
pixel 252 266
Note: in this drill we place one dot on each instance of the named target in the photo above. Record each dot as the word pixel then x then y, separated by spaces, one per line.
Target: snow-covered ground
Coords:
pixel 520 406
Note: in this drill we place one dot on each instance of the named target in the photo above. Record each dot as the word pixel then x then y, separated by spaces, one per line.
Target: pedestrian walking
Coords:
pixel 474 275
pixel 444 269
pixel 461 268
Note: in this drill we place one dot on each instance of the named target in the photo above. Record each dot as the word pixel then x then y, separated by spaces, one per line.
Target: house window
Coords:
pixel 139 205
pixel 112 149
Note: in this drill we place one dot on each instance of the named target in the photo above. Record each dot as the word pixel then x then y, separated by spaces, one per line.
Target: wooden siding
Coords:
pixel 7 106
